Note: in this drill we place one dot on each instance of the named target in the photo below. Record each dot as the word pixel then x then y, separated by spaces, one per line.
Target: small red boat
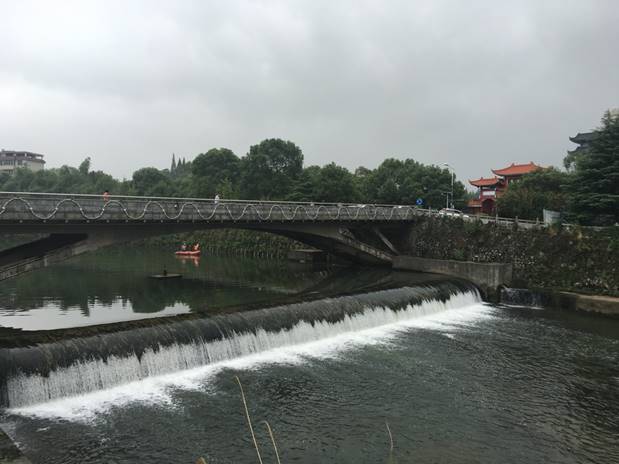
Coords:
pixel 188 253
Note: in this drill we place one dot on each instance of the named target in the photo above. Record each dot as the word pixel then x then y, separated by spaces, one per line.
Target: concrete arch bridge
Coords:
pixel 74 224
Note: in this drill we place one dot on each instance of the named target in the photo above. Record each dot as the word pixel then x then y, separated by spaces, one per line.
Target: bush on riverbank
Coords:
pixel 228 241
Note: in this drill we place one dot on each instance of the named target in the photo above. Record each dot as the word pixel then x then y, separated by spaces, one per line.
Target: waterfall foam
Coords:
pixel 74 367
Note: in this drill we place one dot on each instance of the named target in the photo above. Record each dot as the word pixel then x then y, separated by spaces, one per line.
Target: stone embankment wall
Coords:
pixel 578 259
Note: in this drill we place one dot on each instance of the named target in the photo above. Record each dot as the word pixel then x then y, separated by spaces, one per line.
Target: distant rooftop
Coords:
pixel 517 169
pixel 584 137
pixel 481 182
pixel 24 154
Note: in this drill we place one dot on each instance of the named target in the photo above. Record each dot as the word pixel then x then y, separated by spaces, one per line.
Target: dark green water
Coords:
pixel 115 285
pixel 465 384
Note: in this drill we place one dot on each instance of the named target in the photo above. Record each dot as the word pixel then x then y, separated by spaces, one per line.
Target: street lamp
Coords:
pixel 452 185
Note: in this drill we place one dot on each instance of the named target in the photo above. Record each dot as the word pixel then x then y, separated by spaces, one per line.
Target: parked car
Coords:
pixel 452 213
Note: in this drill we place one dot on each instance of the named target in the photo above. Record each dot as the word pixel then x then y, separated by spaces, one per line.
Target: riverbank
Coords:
pixel 566 301
pixel 579 260
pixel 234 242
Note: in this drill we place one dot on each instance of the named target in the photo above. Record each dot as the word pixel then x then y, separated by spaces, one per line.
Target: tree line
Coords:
pixel 271 170
pixel 587 191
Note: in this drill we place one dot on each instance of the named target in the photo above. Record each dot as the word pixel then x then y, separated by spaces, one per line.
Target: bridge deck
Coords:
pixel 82 223
pixel 60 208
pixel 50 208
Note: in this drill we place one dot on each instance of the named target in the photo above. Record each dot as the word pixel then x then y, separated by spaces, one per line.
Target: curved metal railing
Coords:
pixel 20 206
pixel 46 207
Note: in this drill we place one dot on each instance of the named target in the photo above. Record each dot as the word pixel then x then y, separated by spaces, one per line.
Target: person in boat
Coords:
pixel 184 247
pixel 196 247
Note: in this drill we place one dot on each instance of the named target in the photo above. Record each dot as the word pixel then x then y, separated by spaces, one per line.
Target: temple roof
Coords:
pixel 481 182
pixel 584 137
pixel 517 169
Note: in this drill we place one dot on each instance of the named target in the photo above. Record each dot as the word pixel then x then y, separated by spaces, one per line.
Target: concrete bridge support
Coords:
pixel 45 252
pixel 489 277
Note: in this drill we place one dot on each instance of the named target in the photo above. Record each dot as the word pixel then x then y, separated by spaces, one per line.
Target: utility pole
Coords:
pixel 453 172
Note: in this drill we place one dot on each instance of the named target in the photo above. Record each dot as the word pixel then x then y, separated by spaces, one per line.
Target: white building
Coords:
pixel 11 160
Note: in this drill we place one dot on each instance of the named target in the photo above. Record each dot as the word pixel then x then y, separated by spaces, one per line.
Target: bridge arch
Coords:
pixel 75 224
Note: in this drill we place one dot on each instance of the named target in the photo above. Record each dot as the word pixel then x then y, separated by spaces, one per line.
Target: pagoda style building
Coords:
pixel 492 188
pixel 583 140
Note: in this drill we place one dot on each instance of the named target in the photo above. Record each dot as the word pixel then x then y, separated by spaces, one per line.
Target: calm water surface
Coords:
pixel 116 285
pixel 472 384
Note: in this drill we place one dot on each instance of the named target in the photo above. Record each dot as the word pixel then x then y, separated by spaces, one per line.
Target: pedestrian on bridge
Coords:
pixel 106 196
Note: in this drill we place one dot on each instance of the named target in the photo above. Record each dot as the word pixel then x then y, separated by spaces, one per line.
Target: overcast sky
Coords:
pixel 477 84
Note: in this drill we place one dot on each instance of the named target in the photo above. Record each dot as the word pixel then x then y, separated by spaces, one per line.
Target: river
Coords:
pixel 327 356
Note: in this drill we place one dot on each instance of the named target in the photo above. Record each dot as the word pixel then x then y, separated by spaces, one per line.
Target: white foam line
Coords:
pixel 159 390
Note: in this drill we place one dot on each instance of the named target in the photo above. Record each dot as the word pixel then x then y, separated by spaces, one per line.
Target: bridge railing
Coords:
pixel 65 207
pixel 79 207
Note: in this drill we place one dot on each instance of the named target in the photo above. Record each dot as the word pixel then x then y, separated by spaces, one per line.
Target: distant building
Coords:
pixel 492 188
pixel 11 160
pixel 583 140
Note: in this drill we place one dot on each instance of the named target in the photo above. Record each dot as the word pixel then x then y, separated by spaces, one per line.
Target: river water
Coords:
pixel 338 354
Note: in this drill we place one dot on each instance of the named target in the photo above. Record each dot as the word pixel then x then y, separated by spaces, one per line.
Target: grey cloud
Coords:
pixel 476 84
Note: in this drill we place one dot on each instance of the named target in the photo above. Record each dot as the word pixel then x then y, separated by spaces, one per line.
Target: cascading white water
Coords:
pixel 521 297
pixel 97 374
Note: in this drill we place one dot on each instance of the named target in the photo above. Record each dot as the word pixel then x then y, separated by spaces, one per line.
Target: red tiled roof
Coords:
pixel 481 182
pixel 517 169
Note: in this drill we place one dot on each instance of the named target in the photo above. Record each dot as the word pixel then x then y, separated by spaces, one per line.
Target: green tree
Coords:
pixel 335 184
pixel 271 169
pixel 215 171
pixel 304 189
pixel 84 167
pixel 397 181
pixel 151 181
pixel 534 192
pixel 594 190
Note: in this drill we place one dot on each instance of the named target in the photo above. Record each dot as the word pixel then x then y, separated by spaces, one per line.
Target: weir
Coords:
pixel 68 364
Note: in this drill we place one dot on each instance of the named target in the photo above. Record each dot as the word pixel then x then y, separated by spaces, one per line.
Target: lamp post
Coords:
pixel 452 184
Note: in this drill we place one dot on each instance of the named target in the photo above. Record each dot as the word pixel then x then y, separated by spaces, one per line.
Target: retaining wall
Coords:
pixel 487 276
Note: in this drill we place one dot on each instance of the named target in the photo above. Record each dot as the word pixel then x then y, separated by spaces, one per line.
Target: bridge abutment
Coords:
pixel 489 277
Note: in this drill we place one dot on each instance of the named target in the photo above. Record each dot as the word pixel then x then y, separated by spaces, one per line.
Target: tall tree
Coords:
pixel 304 188
pixel 151 182
pixel 84 167
pixel 335 184
pixel 215 171
pixel 594 191
pixel 270 169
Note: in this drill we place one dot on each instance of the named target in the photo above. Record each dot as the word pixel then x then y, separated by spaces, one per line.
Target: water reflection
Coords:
pixel 114 285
